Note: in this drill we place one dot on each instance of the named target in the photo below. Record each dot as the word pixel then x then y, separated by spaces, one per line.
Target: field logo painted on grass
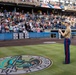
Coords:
pixel 22 64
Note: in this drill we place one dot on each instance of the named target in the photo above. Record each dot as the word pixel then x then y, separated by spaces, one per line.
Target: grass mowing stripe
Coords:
pixel 17 50
pixel 5 51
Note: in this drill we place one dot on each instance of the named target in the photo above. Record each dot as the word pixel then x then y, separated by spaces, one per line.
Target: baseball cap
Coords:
pixel 67 21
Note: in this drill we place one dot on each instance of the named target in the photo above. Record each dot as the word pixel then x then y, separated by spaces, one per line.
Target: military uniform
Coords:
pixel 67 42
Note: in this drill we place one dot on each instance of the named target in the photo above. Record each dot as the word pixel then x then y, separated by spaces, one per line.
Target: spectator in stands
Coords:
pixel 27 26
pixel 0 27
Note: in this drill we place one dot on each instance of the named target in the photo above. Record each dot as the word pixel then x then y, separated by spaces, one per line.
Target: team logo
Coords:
pixel 22 64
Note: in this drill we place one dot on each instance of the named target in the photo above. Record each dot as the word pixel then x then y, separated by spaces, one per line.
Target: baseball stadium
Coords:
pixel 34 37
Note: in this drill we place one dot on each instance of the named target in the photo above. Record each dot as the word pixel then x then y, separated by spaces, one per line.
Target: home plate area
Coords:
pixel 47 42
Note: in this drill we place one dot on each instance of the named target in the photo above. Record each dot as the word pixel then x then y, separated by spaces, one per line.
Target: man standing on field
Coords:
pixel 67 41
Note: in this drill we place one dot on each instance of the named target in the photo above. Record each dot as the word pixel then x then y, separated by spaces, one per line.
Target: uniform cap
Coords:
pixel 67 21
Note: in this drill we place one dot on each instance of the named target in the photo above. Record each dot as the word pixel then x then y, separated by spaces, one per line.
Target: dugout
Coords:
pixel 54 33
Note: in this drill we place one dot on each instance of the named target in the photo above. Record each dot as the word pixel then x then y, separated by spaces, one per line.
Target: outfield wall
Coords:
pixel 13 36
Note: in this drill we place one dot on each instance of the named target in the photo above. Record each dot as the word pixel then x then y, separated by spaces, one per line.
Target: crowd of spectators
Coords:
pixel 35 22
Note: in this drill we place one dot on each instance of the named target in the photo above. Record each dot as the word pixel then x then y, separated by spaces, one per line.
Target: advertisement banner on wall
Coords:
pixel 20 35
pixel 15 35
pixel 26 35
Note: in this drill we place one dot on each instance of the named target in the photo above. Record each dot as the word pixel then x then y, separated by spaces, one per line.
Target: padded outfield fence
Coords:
pixel 13 36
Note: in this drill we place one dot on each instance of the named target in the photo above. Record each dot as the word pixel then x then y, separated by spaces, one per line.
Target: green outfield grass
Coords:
pixel 55 52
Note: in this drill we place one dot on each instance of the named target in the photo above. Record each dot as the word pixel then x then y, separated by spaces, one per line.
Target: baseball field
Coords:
pixel 51 50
